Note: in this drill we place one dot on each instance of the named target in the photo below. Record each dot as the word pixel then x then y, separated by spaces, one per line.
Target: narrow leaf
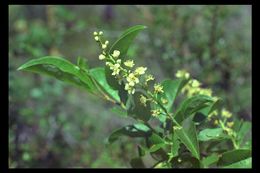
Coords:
pixel 171 89
pixel 188 137
pixel 212 134
pixel 61 69
pixel 122 44
pixel 99 76
pixel 234 156
pixel 192 105
pixel 136 130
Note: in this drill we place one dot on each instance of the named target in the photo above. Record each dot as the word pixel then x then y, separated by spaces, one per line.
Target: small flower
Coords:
pixel 106 42
pixel 119 61
pixel 164 101
pixel 132 79
pixel 100 32
pixel 109 64
pixel 216 122
pixel 116 53
pixel 195 83
pixel 182 74
pixel 104 46
pixel 214 113
pixel 129 63
pixel 230 124
pixel 96 38
pixel 143 100
pixel 158 88
pixel 115 68
pixel 101 57
pixel 179 160
pixel 149 78
pixel 207 92
pixel 140 70
pixel 129 89
pixel 156 112
pixel 95 33
pixel 226 113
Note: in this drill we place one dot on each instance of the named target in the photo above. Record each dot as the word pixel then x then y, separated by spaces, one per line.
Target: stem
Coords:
pixel 235 145
pixel 163 108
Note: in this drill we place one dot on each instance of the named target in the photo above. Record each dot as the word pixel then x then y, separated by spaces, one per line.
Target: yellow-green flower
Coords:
pixel 119 61
pixel 132 79
pixel 143 100
pixel 129 63
pixel 116 53
pixel 96 38
pixel 149 78
pixel 216 122
pixel 95 33
pixel 129 89
pixel 226 113
pixel 101 57
pixel 207 92
pixel 164 101
pixel 104 46
pixel 100 32
pixel 115 68
pixel 182 74
pixel 140 70
pixel 230 124
pixel 156 112
pixel 158 88
pixel 195 83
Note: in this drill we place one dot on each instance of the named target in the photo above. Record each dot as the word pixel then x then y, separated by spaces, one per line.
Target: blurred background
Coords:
pixel 52 124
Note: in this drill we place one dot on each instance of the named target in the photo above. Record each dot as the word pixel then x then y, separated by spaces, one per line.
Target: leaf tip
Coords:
pixel 20 68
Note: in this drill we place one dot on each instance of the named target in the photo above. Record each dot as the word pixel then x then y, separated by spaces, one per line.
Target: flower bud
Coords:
pixel 101 57
pixel 104 46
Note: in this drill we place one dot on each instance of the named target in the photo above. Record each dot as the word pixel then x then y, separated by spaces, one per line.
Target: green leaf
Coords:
pixel 171 89
pixel 188 137
pixel 203 113
pixel 156 142
pixel 141 151
pixel 243 131
pixel 136 130
pixel 185 161
pixel 125 40
pixel 212 134
pixel 61 69
pixel 192 105
pixel 82 63
pixel 175 146
pixel 137 162
pixel 247 163
pixel 209 160
pixel 99 76
pixel 234 156
pixel 118 110
pixel 123 94
pixel 122 44
pixel 136 109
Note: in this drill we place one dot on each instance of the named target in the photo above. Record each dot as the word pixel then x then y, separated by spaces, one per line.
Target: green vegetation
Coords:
pixel 178 122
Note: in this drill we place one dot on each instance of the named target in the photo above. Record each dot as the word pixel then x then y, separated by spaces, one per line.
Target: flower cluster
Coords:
pixel 193 87
pixel 124 70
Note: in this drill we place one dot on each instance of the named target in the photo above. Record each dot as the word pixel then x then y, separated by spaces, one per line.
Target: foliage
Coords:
pixel 178 139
